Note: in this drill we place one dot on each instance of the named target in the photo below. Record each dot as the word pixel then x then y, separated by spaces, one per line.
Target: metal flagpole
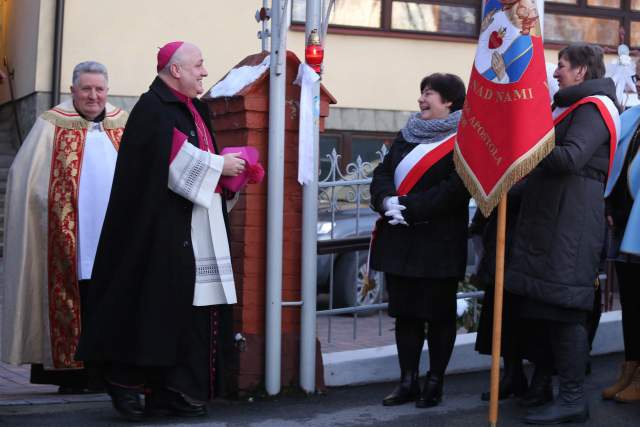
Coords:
pixel 497 311
pixel 280 12
pixel 309 236
pixel 262 16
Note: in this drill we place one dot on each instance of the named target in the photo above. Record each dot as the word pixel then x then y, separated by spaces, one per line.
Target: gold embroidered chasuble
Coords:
pixel 41 319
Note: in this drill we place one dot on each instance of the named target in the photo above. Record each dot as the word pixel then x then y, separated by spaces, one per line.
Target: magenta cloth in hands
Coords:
pixel 253 172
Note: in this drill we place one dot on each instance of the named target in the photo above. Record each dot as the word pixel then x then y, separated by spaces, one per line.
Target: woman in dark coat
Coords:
pixel 560 230
pixel 513 381
pixel 423 247
pixel 620 201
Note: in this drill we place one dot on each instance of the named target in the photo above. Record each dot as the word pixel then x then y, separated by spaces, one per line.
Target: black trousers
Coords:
pixel 629 284
pixel 88 377
pixel 191 375
pixel 534 339
pixel 512 328
pixel 553 338
pixel 416 302
pixel 410 335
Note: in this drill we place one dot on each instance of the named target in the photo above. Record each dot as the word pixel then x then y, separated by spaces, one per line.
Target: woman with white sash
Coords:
pixel 420 242
pixel 556 252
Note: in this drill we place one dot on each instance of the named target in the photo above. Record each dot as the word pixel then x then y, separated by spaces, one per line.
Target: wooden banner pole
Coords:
pixel 497 311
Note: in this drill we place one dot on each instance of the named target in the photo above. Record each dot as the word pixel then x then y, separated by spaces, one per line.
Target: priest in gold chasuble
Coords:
pixel 57 194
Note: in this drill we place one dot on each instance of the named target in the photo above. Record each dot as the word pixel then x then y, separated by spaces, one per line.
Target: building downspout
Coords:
pixel 57 53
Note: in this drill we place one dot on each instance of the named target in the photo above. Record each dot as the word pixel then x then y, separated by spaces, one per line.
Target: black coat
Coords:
pixel 487 228
pixel 512 329
pixel 561 225
pixel 619 204
pixel 141 294
pixel 620 201
pixel 434 245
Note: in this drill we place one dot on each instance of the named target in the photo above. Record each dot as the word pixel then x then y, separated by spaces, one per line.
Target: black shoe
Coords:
pixel 559 412
pixel 537 397
pixel 163 401
pixel 540 391
pixel 532 400
pixel 569 345
pixel 432 391
pixel 407 391
pixel 126 401
pixel 507 388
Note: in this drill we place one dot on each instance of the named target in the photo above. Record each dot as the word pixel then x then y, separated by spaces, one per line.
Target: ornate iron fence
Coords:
pixel 345 223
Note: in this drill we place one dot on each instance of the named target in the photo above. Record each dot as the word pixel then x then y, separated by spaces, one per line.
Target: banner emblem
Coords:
pixel 506 126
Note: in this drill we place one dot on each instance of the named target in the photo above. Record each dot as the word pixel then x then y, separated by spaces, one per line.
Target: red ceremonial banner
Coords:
pixel 506 126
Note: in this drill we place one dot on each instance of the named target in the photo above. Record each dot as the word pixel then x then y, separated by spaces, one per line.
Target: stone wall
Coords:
pixel 29 108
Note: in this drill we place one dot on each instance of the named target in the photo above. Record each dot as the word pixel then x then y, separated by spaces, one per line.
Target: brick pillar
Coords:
pixel 239 120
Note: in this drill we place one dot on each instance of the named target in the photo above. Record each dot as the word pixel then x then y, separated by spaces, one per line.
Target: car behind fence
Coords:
pixel 345 225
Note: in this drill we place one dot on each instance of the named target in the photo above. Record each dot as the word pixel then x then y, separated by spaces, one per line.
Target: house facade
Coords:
pixel 376 52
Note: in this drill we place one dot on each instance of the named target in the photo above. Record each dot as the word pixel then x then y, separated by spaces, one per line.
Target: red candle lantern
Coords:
pixel 314 52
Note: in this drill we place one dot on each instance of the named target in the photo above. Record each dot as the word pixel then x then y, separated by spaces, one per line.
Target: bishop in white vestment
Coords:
pixel 162 281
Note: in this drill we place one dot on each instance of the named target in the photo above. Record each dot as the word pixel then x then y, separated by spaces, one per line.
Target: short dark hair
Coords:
pixel 585 55
pixel 449 86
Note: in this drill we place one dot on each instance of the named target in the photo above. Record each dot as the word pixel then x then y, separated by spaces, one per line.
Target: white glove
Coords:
pixel 393 209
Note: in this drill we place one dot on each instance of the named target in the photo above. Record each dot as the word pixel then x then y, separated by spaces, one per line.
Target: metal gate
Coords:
pixel 345 223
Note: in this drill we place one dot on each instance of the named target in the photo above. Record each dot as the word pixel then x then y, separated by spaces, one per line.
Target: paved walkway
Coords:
pixel 346 334
pixel 344 407
pixel 341 333
pixel 337 333
pixel 15 389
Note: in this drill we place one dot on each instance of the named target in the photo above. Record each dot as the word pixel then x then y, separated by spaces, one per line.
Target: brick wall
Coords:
pixel 244 120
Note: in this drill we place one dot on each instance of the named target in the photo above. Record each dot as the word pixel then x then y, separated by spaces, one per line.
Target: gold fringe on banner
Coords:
pixel 520 168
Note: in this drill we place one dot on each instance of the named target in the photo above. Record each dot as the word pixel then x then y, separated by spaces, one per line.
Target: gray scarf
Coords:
pixel 420 131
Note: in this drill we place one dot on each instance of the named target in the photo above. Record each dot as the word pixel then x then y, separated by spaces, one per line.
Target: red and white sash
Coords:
pixel 609 113
pixel 415 164
pixel 409 171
